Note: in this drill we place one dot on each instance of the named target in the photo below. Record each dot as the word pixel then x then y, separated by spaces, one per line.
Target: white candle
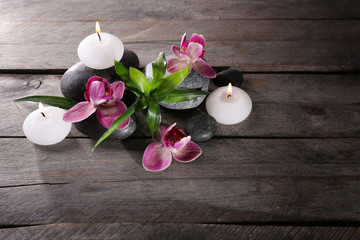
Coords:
pixel 229 105
pixel 45 126
pixel 99 50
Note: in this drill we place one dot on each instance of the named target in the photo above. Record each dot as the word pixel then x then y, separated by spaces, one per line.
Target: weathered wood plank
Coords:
pixel 301 105
pixel 105 10
pixel 40 42
pixel 177 231
pixel 18 33
pixel 264 46
pixel 222 200
pixel 246 56
pixel 249 180
pixel 73 161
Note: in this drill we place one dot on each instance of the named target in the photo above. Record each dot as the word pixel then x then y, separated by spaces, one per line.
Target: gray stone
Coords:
pixel 201 127
pixel 92 128
pixel 130 59
pixel 74 80
pixel 223 78
pixel 193 81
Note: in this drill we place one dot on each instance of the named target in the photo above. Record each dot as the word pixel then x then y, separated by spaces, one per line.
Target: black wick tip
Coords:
pixel 228 96
pixel 43 114
pixel 99 36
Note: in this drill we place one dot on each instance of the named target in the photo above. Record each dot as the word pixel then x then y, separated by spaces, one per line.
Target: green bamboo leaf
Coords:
pixel 116 124
pixel 121 70
pixel 61 102
pixel 143 103
pixel 159 68
pixel 125 77
pixel 153 118
pixel 180 95
pixel 139 80
pixel 171 81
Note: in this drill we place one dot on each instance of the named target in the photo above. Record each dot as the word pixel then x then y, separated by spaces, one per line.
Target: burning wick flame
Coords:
pixel 229 90
pixel 98 30
pixel 41 107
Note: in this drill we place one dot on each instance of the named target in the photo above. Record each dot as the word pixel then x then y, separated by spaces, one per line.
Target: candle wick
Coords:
pixel 229 96
pixel 43 114
pixel 99 36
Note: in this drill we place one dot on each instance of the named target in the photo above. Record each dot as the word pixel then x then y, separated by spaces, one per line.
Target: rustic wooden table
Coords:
pixel 290 171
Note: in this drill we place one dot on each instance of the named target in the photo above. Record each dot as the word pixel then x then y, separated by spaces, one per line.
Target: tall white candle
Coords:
pixel 99 50
pixel 229 105
pixel 45 126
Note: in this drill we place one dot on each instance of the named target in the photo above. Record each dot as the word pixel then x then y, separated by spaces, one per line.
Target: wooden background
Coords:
pixel 290 171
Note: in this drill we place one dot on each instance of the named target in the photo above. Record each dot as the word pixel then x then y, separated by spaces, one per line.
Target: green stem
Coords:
pixel 116 124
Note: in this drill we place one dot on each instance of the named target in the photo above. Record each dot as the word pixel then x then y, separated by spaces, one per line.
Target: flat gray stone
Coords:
pixel 223 78
pixel 92 128
pixel 74 80
pixel 201 127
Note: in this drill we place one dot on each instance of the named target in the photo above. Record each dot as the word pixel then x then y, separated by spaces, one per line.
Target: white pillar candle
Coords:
pixel 99 50
pixel 228 105
pixel 45 126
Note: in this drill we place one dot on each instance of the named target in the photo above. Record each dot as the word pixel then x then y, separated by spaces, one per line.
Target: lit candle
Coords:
pixel 99 50
pixel 228 105
pixel 45 126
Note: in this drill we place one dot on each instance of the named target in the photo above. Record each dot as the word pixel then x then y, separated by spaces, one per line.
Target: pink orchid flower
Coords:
pixel 102 97
pixel 174 144
pixel 190 54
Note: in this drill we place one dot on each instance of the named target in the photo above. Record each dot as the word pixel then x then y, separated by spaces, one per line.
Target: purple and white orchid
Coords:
pixel 174 144
pixel 102 97
pixel 190 54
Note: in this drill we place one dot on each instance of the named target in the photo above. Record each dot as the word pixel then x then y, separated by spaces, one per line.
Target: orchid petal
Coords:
pixel 166 130
pixel 194 51
pixel 162 130
pixel 188 153
pixel 175 64
pixel 86 96
pixel 108 113
pixel 196 38
pixel 96 79
pixel 182 143
pixel 79 112
pixel 176 50
pixel 203 68
pixel 99 79
pixel 118 90
pixel 202 54
pixel 183 41
pixel 156 157
pixel 172 130
pixel 97 92
pixel 172 136
pixel 184 47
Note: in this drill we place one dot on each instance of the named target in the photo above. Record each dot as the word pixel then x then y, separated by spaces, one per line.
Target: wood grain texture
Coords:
pixel 269 56
pixel 35 10
pixel 249 45
pixel 249 180
pixel 72 160
pixel 179 231
pixel 19 33
pixel 294 162
pixel 285 105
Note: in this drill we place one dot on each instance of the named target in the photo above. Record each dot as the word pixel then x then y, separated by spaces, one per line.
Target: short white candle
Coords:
pixel 45 126
pixel 229 106
pixel 99 50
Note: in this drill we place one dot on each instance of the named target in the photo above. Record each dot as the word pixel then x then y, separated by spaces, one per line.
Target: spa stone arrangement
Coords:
pixel 104 90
